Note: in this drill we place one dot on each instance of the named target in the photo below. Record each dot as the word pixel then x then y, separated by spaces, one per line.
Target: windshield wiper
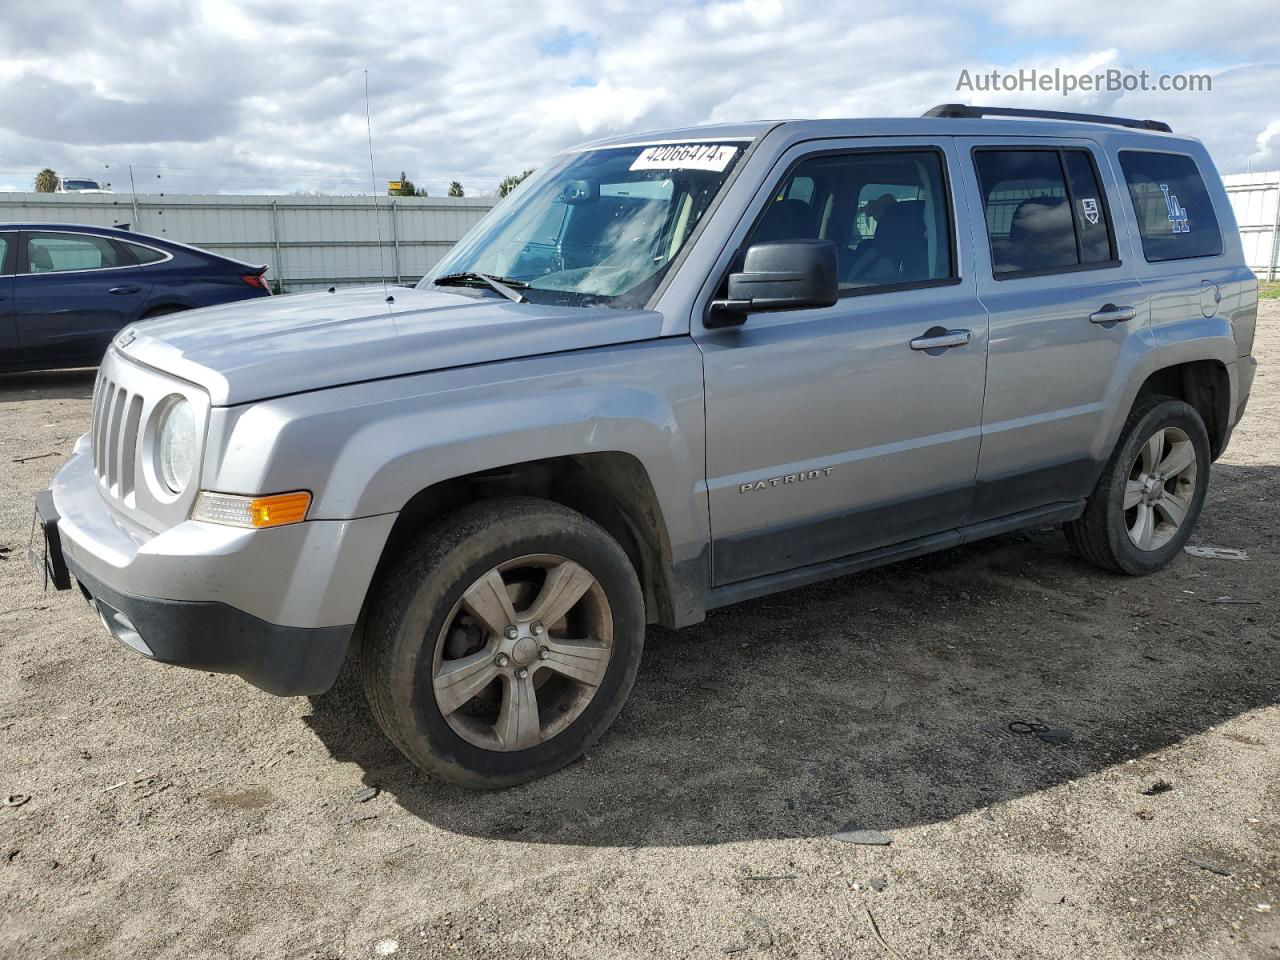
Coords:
pixel 504 285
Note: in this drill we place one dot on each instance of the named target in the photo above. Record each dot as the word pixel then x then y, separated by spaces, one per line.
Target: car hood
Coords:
pixel 271 346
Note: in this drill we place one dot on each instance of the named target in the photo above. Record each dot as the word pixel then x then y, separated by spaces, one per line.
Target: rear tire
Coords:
pixel 503 643
pixel 1149 497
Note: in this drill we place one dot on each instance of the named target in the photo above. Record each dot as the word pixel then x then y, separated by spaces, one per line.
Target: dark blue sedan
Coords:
pixel 66 290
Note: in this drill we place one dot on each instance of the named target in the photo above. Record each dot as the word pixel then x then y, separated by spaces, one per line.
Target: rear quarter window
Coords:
pixel 1174 213
pixel 144 255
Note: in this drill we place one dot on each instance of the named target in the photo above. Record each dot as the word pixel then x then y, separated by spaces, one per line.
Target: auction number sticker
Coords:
pixel 685 156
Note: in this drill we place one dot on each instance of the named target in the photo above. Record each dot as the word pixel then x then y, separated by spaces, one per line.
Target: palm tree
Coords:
pixel 510 182
pixel 455 189
pixel 46 181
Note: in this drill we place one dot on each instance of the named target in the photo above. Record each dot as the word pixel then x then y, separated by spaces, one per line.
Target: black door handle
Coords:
pixel 124 290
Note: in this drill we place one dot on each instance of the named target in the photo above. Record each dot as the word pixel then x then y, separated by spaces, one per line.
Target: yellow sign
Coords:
pixel 395 185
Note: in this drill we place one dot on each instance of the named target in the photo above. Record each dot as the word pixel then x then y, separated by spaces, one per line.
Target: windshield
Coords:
pixel 80 185
pixel 602 227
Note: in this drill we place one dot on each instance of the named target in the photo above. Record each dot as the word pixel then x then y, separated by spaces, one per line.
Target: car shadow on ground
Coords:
pixel 42 385
pixel 885 698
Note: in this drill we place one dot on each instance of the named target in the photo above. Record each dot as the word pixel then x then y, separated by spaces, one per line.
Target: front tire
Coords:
pixel 504 643
pixel 1149 497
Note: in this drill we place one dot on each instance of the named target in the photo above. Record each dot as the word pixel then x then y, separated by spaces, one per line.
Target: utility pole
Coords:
pixel 133 191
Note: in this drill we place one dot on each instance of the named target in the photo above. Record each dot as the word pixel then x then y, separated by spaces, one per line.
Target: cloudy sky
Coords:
pixel 239 96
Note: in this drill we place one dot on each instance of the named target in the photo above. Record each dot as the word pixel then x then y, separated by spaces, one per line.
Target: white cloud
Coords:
pixel 246 95
pixel 1267 156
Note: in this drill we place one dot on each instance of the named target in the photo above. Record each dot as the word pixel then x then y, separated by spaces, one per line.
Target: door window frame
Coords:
pixel 9 262
pixel 949 207
pixel 23 260
pixel 1059 150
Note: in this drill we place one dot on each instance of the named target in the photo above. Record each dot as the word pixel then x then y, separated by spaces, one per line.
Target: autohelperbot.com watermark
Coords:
pixel 1067 82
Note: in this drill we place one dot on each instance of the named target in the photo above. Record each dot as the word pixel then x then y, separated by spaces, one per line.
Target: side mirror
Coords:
pixel 780 275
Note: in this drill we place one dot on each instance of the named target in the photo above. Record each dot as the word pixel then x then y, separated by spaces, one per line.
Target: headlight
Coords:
pixel 177 452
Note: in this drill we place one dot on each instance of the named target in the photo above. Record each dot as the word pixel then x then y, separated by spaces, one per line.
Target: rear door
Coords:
pixel 1064 302
pixel 72 293
pixel 836 430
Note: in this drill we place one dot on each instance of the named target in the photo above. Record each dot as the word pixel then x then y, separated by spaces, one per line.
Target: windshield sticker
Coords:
pixel 685 156
pixel 1177 212
pixel 1090 207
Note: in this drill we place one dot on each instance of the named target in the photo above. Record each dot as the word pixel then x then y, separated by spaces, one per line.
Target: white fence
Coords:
pixel 1255 197
pixel 311 242
pixel 308 242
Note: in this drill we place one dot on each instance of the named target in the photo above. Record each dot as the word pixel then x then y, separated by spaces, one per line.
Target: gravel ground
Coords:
pixel 180 814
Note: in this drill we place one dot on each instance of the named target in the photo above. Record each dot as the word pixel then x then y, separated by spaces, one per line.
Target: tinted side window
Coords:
pixel 887 214
pixel 1029 222
pixel 1089 204
pixel 5 245
pixel 1175 216
pixel 145 254
pixel 47 252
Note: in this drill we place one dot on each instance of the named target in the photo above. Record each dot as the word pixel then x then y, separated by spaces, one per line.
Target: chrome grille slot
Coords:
pixel 100 422
pixel 99 388
pixel 115 421
pixel 129 444
pixel 117 415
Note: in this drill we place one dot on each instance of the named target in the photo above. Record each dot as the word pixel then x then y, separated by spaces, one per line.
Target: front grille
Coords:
pixel 114 431
pixel 127 397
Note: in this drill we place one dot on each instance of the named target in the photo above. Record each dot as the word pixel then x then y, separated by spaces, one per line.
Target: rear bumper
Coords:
pixel 1241 373
pixel 1246 369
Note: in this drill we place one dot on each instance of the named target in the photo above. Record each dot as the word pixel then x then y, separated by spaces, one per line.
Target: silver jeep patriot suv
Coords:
pixel 670 372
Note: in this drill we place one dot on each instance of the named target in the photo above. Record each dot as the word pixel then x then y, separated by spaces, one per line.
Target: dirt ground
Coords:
pixel 176 814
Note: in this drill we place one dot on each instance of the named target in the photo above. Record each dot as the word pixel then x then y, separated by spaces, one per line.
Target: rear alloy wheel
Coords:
pixel 1160 489
pixel 1149 496
pixel 504 642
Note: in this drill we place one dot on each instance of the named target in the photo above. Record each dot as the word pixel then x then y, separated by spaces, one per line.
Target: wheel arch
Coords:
pixel 162 307
pixel 1195 365
pixel 612 488
pixel 1203 384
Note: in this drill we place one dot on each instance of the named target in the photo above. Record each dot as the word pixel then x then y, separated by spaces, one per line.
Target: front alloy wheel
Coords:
pixel 523 653
pixel 504 642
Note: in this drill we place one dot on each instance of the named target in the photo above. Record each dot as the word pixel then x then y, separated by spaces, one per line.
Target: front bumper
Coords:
pixel 207 635
pixel 276 607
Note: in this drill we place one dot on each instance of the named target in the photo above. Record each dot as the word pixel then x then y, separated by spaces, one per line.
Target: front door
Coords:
pixel 836 430
pixel 72 293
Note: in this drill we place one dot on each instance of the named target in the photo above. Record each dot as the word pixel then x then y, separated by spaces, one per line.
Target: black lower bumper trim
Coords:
pixel 55 566
pixel 208 635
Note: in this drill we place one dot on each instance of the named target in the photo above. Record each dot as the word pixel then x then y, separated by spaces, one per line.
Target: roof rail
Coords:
pixel 964 110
